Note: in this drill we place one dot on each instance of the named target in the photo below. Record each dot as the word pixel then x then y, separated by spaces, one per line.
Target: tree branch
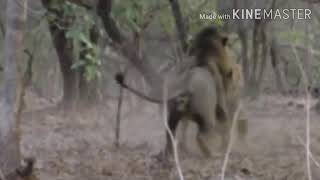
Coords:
pixel 2 30
pixel 104 10
pixel 82 3
pixel 127 48
pixel 180 25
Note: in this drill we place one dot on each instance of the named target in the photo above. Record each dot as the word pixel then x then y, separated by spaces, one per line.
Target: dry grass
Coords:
pixel 80 146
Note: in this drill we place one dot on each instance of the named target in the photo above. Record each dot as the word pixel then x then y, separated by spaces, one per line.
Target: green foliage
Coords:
pixel 89 61
pixel 292 36
pixel 77 22
pixel 79 33
pixel 133 14
pixel 167 21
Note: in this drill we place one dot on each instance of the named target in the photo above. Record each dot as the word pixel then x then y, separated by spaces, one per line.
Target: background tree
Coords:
pixel 74 37
pixel 9 125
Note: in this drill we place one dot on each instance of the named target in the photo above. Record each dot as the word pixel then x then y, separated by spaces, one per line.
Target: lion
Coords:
pixel 212 92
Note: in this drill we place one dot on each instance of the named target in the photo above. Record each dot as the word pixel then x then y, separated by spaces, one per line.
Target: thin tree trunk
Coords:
pixel 2 30
pixel 9 127
pixel 118 120
pixel 255 51
pixel 25 82
pixel 307 60
pixel 64 50
pixel 180 25
pixel 244 54
pixel 65 56
pixel 275 67
pixel 264 58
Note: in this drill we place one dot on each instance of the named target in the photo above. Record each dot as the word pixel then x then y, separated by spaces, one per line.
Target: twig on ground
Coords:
pixel 119 112
pixel 2 175
pixel 311 155
pixel 173 140
pixel 231 139
pixel 307 107
pixel 118 120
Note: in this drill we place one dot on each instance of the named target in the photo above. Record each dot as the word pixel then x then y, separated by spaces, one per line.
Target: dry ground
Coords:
pixel 79 145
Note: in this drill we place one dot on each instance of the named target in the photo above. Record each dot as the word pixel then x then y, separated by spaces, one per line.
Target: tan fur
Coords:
pixel 204 101
pixel 228 79
pixel 222 58
pixel 234 88
pixel 233 83
pixel 225 91
pixel 214 91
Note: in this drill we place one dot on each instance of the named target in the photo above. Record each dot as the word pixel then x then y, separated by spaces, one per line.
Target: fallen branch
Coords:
pixel 311 155
pixel 173 140
pixel 307 107
pixel 231 140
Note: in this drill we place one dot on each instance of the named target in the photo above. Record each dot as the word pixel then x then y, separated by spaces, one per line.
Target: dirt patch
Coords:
pixel 80 145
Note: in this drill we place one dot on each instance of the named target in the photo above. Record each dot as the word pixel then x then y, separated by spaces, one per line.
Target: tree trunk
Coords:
pixel 9 127
pixel 244 53
pixel 180 24
pixel 2 28
pixel 256 44
pixel 264 58
pixel 64 49
pixel 259 55
pixel 307 60
pixel 275 67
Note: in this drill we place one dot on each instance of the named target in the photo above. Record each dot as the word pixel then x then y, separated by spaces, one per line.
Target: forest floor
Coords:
pixel 79 145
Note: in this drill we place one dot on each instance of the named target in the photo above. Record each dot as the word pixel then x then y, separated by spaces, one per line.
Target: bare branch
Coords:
pixel 307 107
pixel 173 140
pixel 312 1
pixel 2 30
pixel 195 10
pixel 311 155
pixel 118 120
pixel 82 3
pixel 103 10
pixel 300 48
pixel 231 140
pixel 25 81
pixel 127 48
pixel 180 25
